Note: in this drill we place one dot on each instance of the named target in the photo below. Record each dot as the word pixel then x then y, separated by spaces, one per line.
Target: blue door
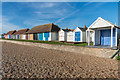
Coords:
pixel 77 36
pixel 40 36
pixel 9 36
pixel 46 35
pixel 17 36
pixel 106 37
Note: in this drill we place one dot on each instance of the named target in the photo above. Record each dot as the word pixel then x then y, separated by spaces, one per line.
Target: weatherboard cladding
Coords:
pixel 44 28
pixel 30 36
pixel 63 34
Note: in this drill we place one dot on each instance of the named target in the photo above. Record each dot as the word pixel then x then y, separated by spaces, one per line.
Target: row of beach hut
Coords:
pixel 100 32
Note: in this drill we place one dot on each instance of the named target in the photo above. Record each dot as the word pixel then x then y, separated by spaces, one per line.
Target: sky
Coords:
pixel 21 15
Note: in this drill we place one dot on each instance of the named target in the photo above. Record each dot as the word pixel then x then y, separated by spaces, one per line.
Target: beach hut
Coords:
pixel 104 33
pixel 3 35
pixel 80 34
pixel 21 34
pixel 0 35
pixel 63 34
pixel 70 36
pixel 9 34
pixel 77 35
pixel 46 32
pixel 6 36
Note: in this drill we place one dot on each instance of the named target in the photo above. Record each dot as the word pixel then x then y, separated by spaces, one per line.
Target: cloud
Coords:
pixel 66 17
pixel 35 22
pixel 42 5
pixel 7 26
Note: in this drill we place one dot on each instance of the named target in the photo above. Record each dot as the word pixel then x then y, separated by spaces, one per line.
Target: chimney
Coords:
pixel 85 27
pixel 66 28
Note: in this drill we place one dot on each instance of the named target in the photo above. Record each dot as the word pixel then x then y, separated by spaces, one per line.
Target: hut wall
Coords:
pixel 70 37
pixel 14 36
pixel 77 35
pixel 61 35
pixel 47 36
pixel 20 36
pixel 6 36
pixel 24 36
pixel 27 37
pixel 54 36
pixel 30 36
pixel 84 36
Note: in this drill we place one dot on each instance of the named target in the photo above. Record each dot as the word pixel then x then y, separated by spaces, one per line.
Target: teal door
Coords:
pixel 40 36
pixel 9 36
pixel 46 35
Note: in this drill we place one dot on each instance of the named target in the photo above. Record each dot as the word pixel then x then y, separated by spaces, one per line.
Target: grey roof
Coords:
pixel 82 29
pixel 44 28
pixel 67 30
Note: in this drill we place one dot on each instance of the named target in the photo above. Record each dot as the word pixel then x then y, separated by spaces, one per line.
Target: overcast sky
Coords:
pixel 20 15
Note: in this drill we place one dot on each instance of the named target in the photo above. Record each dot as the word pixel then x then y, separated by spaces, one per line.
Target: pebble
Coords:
pixel 20 61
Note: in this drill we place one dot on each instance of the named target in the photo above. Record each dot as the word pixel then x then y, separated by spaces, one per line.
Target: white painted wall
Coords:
pixel 24 36
pixel 61 35
pixel 70 36
pixel 84 36
pixel 91 36
pixel 0 36
pixel 54 36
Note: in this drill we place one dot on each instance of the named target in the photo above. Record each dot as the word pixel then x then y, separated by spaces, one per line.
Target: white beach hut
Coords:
pixel 63 34
pixel 104 33
pixel 70 37
pixel 77 35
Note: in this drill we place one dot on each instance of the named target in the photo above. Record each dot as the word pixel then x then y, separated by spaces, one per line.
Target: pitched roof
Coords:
pixel 100 23
pixel 22 31
pixel 44 28
pixel 72 30
pixel 10 32
pixel 66 30
pixel 82 29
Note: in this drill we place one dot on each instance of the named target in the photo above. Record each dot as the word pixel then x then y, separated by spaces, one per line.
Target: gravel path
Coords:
pixel 20 61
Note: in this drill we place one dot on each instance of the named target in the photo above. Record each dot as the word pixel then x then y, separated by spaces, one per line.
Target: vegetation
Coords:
pixel 117 57
pixel 52 42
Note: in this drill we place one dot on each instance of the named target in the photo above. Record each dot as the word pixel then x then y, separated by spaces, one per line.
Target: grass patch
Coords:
pixel 51 42
pixel 117 57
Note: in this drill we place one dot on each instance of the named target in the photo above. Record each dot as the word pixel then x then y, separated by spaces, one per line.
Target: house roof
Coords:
pixel 10 32
pixel 82 29
pixel 66 29
pixel 44 28
pixel 72 30
pixel 22 31
pixel 102 23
